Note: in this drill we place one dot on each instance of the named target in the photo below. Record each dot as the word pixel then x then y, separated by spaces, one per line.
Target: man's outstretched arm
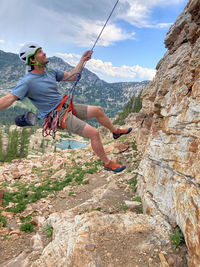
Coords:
pixel 85 57
pixel 7 100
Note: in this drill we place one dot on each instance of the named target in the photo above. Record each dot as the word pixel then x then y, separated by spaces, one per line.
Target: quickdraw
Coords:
pixel 50 125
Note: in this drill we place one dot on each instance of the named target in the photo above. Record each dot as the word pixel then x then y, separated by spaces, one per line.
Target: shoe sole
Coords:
pixel 115 136
pixel 119 169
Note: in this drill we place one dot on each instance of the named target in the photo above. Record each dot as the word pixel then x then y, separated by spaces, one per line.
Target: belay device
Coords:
pixel 51 121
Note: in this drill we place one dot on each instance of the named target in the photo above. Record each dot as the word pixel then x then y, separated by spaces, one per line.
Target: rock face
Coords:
pixel 81 240
pixel 168 132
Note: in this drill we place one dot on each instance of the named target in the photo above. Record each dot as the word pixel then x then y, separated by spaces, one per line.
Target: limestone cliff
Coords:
pixel 168 132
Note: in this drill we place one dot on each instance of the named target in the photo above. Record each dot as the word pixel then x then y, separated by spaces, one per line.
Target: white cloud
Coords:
pixel 110 73
pixel 110 35
pixel 159 25
pixel 76 22
pixel 2 41
pixel 162 25
pixel 138 12
pixel 72 59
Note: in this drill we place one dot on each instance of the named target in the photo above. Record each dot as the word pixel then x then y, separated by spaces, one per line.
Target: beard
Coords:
pixel 46 62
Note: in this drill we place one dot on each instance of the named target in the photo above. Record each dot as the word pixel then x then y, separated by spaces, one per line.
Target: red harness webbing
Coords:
pixel 51 122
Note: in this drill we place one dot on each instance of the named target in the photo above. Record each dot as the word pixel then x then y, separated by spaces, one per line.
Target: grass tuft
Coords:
pixel 27 227
pixel 49 230
pixel 177 238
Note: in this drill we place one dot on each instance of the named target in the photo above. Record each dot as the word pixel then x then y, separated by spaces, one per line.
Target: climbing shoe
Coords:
pixel 120 132
pixel 115 167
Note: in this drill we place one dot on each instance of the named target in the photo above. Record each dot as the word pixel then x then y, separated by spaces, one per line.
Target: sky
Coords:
pixel 128 50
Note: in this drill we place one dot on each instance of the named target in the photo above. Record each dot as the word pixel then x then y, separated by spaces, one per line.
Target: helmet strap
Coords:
pixel 38 63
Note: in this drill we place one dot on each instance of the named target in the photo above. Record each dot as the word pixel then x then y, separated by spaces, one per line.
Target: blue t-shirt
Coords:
pixel 41 89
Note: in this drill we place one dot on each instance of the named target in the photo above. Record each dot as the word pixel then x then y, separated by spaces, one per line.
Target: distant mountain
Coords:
pixel 90 90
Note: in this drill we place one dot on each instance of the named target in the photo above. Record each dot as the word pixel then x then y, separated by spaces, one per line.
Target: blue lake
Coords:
pixel 70 144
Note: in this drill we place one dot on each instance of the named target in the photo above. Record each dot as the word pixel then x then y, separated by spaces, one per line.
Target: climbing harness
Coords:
pixel 51 121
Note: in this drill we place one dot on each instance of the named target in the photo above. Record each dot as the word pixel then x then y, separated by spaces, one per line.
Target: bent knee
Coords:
pixel 99 111
pixel 94 133
pixel 90 132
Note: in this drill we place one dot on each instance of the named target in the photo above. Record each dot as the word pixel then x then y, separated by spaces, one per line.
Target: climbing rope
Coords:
pixel 98 37
pixel 105 24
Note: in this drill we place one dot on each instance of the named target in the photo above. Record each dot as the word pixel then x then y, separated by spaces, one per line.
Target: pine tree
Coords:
pixel 42 146
pixel 12 149
pixel 138 104
pixel 1 143
pixel 1 147
pixel 134 105
pixel 24 143
pixel 18 143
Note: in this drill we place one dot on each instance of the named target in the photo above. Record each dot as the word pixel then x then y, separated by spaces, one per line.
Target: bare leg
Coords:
pixel 96 143
pixel 93 135
pixel 98 113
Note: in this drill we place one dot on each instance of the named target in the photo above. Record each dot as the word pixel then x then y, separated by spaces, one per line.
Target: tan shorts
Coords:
pixel 74 124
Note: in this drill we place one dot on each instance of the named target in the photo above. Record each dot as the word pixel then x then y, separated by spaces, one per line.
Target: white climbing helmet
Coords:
pixel 28 51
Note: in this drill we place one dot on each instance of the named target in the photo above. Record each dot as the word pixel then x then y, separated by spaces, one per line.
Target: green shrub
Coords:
pixel 49 230
pixel 138 199
pixel 3 221
pixel 27 218
pixel 27 227
pixel 177 238
pixel 123 207
pixel 134 146
pixel 133 182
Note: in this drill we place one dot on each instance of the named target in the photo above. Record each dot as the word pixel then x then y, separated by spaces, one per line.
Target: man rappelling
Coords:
pixel 40 86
